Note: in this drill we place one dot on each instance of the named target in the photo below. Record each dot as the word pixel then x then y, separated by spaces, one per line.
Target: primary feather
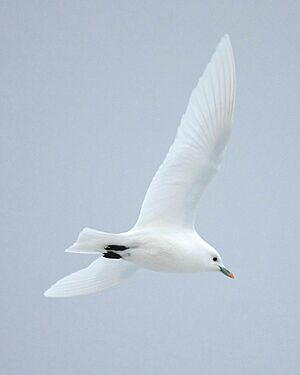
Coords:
pixel 101 274
pixel 197 151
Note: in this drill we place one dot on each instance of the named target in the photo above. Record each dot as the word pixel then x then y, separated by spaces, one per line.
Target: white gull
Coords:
pixel 164 238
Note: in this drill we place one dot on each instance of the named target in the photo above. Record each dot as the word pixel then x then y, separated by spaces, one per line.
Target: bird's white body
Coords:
pixel 164 238
pixel 166 250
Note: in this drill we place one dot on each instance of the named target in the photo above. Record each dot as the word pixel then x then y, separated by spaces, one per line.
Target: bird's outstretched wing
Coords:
pixel 196 154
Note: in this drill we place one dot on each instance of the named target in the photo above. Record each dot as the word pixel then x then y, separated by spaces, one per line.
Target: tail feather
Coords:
pixel 101 274
pixel 92 241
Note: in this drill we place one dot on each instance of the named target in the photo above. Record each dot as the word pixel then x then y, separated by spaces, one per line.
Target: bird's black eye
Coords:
pixel 215 259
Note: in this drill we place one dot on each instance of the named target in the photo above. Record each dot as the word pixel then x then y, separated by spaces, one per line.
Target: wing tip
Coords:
pixel 225 43
pixel 50 293
pixel 225 39
pixel 56 291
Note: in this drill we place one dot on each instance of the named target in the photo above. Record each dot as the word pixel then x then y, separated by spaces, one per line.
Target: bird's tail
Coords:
pixel 92 241
pixel 101 274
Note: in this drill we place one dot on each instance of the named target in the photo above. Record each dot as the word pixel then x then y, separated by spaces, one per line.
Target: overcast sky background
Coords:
pixel 91 95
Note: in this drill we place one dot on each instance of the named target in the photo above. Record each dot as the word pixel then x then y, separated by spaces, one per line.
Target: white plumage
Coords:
pixel 100 274
pixel 164 238
pixel 196 154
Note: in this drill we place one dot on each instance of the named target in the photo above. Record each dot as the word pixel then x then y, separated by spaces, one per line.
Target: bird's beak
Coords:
pixel 226 272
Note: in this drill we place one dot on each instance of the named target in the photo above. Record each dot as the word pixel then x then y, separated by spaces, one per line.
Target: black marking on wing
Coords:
pixel 116 248
pixel 111 255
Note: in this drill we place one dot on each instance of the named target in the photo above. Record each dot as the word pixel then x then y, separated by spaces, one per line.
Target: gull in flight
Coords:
pixel 164 238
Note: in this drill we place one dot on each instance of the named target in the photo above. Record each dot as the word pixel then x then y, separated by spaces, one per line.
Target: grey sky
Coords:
pixel 91 96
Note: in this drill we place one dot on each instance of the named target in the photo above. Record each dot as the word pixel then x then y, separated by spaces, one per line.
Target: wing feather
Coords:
pixel 196 154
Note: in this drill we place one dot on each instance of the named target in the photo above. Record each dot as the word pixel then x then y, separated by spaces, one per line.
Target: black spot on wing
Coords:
pixel 116 248
pixel 111 255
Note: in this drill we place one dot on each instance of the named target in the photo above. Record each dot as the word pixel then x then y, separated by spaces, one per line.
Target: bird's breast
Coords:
pixel 166 256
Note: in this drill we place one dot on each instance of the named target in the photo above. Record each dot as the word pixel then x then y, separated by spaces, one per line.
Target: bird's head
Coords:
pixel 214 263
